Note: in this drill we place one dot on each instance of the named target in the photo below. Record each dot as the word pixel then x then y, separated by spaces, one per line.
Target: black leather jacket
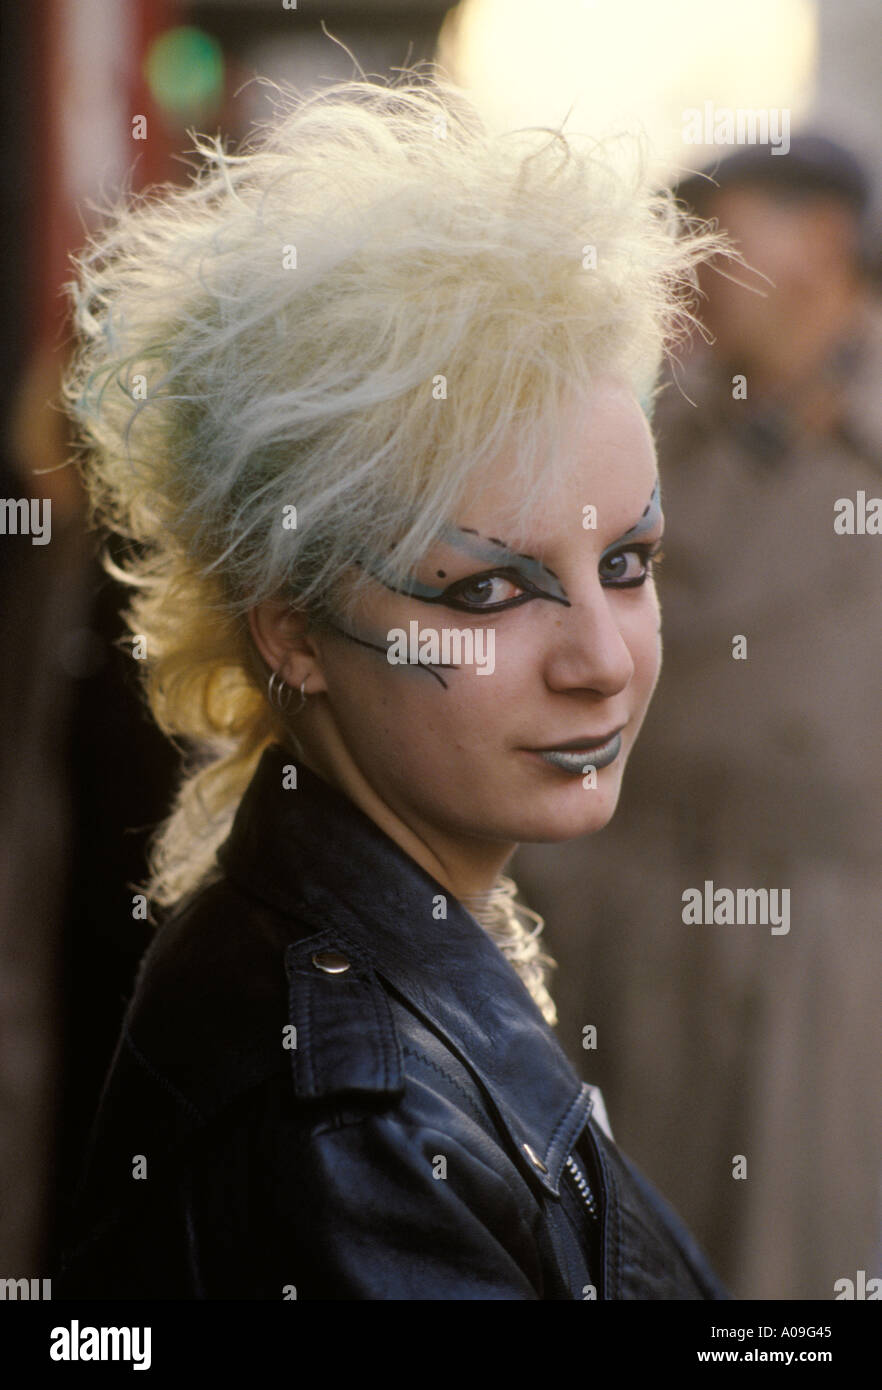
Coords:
pixel 325 1090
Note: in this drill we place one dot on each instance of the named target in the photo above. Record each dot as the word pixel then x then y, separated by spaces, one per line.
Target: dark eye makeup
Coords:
pixel 457 595
pixel 461 595
pixel 650 555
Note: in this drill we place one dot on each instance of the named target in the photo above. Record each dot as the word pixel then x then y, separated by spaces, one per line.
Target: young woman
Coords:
pixel 371 400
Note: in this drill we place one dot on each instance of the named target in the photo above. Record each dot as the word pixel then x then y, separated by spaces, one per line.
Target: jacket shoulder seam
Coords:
pixel 427 1061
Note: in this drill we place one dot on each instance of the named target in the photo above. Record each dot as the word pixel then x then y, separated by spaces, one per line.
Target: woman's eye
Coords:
pixel 485 591
pixel 627 569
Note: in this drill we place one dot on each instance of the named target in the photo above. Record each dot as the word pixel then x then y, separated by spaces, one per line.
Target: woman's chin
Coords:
pixel 551 821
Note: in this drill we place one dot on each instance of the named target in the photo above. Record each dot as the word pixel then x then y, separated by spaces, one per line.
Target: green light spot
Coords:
pixel 184 70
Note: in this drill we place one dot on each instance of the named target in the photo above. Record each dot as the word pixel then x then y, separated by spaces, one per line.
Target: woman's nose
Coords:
pixel 588 650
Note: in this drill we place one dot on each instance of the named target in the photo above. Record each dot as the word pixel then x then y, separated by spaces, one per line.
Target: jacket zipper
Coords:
pixel 582 1188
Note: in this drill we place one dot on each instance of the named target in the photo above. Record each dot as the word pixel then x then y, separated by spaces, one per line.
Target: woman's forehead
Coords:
pixel 624 502
pixel 593 435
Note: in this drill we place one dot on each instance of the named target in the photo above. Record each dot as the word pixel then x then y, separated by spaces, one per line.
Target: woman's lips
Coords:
pixel 575 756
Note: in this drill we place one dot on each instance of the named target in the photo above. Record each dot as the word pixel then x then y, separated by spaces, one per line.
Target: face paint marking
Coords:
pixel 480 549
pixel 648 518
pixel 533 569
pixel 417 666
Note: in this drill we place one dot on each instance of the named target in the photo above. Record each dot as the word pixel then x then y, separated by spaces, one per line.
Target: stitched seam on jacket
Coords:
pixel 161 1079
pixel 573 1277
pixel 310 1028
pixel 470 1100
pixel 612 1283
pixel 382 1020
pixel 366 989
pixel 577 1100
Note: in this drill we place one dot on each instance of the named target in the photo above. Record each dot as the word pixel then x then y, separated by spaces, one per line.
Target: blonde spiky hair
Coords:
pixel 272 334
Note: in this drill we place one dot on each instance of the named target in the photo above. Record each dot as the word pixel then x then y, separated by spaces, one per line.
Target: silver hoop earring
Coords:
pixel 303 695
pixel 274 692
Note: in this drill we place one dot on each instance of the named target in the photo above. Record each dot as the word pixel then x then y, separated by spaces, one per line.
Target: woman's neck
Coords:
pixel 467 868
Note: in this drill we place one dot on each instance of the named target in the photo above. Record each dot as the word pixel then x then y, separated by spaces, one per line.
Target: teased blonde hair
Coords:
pixel 272 334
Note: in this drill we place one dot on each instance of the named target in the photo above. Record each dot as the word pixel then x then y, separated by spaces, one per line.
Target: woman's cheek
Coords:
pixel 650 654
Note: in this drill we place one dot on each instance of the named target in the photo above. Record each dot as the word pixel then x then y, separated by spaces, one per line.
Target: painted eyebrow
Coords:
pixel 480 549
pixel 493 551
pixel 647 520
pixel 498 553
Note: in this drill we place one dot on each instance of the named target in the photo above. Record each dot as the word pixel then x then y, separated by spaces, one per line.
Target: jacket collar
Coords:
pixel 312 854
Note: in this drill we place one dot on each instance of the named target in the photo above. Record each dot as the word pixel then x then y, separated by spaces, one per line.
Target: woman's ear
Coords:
pixel 280 633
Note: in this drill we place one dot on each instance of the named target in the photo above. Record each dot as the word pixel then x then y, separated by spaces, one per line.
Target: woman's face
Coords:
pixel 559 651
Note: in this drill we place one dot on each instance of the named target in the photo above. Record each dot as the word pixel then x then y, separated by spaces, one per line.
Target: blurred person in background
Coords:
pixel 760 762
